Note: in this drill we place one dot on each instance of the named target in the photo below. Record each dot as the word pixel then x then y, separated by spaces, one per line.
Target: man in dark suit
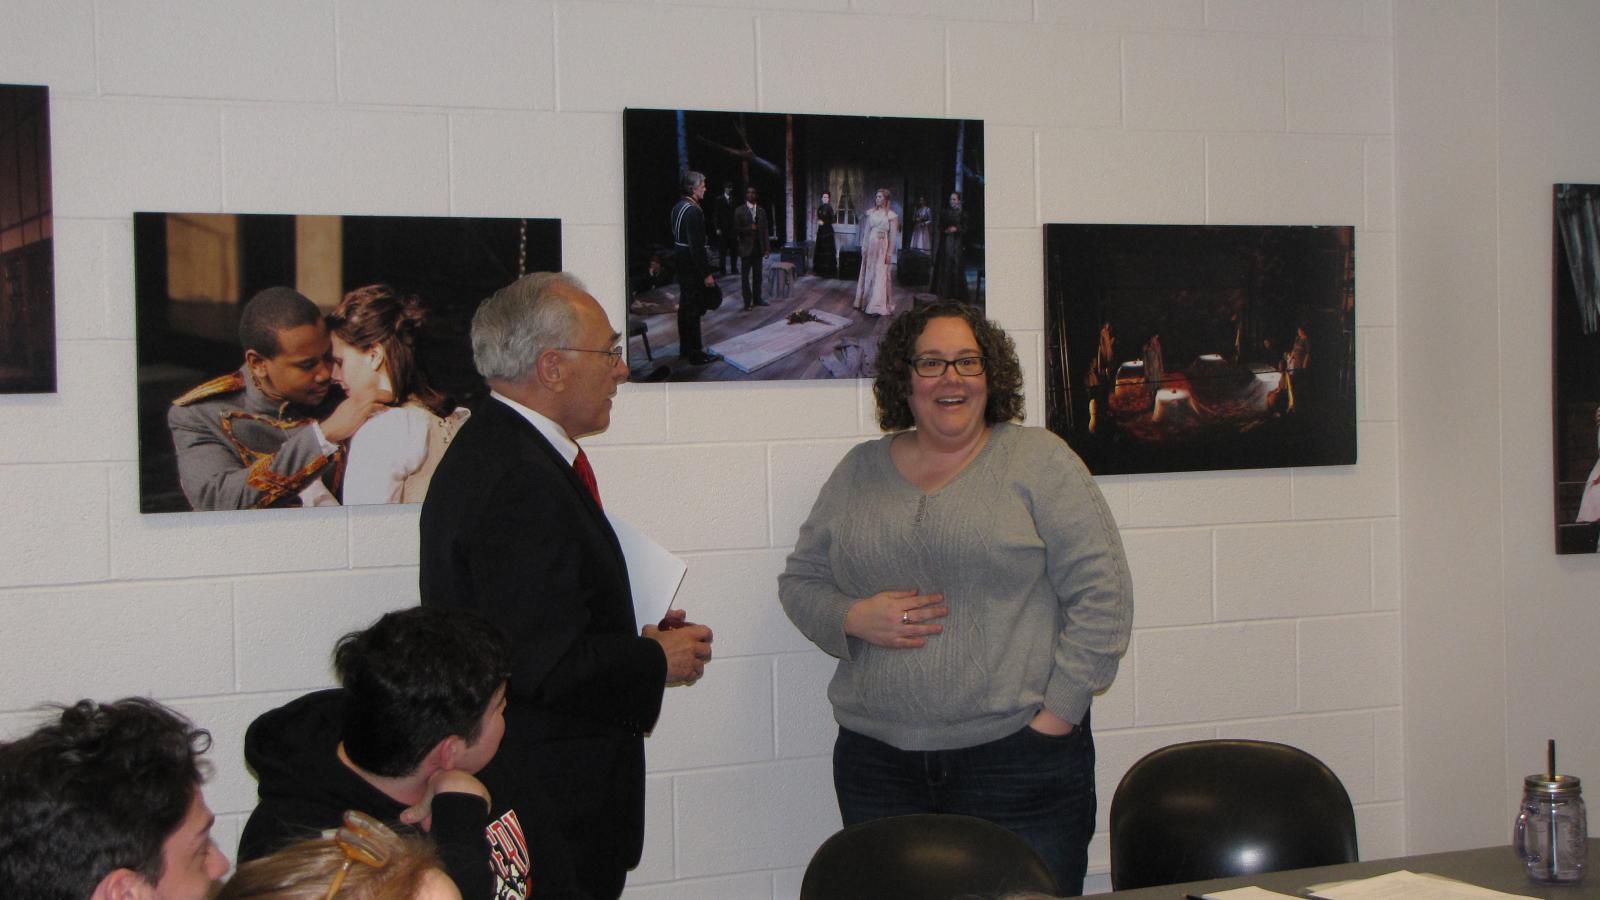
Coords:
pixel 750 221
pixel 695 280
pixel 513 529
pixel 722 219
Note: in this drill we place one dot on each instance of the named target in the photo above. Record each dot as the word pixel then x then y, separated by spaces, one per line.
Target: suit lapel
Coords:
pixel 536 451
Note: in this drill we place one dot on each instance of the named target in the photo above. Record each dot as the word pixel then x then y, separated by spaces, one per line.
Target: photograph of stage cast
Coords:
pixel 1173 348
pixel 765 246
pixel 289 361
pixel 1576 232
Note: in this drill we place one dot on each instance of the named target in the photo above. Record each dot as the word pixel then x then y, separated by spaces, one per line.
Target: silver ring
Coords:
pixel 905 617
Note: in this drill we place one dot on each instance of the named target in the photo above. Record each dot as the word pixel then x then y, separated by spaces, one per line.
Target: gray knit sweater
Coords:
pixel 1024 549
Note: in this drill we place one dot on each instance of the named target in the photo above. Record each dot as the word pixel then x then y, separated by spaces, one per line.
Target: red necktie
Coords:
pixel 586 475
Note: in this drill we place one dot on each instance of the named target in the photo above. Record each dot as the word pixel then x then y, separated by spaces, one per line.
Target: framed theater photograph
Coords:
pixel 293 361
pixel 771 246
pixel 1177 348
pixel 1576 318
pixel 27 254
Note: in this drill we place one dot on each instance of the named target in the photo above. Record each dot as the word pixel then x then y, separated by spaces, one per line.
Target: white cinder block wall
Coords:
pixel 1499 632
pixel 1268 601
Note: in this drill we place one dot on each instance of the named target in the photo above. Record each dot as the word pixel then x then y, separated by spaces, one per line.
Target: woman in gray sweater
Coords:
pixel 969 578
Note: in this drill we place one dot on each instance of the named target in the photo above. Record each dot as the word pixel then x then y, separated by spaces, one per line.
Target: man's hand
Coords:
pixel 353 413
pixel 444 781
pixel 688 649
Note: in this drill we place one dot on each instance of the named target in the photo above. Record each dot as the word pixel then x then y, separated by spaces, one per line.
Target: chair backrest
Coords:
pixel 923 857
pixel 1210 809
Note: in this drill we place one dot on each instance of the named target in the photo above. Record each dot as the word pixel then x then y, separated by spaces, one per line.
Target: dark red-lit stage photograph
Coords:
pixel 27 241
pixel 766 246
pixel 1175 348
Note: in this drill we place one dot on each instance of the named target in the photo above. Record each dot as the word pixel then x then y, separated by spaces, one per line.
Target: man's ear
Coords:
pixel 255 362
pixel 550 370
pixel 122 884
pixel 448 752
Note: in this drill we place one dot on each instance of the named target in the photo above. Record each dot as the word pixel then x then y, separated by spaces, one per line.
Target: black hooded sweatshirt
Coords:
pixel 510 852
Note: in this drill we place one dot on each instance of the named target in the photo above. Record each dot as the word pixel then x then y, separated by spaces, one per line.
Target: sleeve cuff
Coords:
pixel 322 441
pixel 1066 701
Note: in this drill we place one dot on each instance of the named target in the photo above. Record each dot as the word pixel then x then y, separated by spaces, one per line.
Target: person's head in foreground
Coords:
pixel 103 803
pixel 425 691
pixel 363 860
pixel 945 368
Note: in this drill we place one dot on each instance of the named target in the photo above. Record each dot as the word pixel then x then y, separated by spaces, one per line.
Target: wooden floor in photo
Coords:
pixel 730 323
pixel 776 340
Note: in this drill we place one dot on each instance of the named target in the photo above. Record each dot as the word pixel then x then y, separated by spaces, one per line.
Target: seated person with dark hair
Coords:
pixel 409 738
pixel 103 803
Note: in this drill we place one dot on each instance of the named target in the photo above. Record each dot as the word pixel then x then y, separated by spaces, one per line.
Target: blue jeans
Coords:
pixel 1038 786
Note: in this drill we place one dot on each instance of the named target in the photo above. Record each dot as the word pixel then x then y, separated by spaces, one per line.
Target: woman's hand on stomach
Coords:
pixel 901 619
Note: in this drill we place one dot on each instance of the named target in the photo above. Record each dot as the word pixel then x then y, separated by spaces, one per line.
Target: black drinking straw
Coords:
pixel 1550 854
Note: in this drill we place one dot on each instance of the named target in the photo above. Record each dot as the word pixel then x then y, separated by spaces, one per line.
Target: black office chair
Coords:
pixel 1210 809
pixel 923 857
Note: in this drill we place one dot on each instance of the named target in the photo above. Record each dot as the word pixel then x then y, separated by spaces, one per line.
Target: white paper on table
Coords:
pixel 1404 885
pixel 654 574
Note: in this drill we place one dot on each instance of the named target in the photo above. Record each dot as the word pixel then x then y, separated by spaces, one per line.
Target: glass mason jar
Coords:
pixel 1552 832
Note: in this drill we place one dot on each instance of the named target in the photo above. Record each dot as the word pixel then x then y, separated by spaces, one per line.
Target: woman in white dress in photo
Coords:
pixel 394 454
pixel 1589 506
pixel 880 235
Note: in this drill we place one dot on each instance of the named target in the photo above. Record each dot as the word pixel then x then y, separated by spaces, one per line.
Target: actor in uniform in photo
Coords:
pixel 269 434
pixel 695 281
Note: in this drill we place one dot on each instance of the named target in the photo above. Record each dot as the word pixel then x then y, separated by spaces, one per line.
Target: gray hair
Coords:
pixel 515 326
pixel 690 180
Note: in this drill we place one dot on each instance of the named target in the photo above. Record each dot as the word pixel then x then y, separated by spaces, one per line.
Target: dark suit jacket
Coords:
pixel 509 531
pixel 752 234
pixel 722 219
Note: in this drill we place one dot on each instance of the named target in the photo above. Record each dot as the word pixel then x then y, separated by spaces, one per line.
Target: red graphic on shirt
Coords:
pixel 508 857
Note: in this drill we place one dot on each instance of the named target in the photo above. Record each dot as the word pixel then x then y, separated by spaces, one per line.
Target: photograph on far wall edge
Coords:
pixel 1180 348
pixel 252 327
pixel 1576 404
pixel 27 260
pixel 810 233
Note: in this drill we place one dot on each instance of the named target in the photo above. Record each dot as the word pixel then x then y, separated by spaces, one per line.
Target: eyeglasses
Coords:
pixel 615 352
pixel 934 367
pixel 364 840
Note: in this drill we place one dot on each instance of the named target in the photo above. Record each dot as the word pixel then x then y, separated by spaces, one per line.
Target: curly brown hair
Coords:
pixel 892 387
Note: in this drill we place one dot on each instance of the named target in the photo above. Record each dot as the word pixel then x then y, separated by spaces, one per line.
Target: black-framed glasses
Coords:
pixel 364 840
pixel 934 367
pixel 615 352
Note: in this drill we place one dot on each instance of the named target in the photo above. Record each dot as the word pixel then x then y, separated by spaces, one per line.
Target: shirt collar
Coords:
pixel 555 434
